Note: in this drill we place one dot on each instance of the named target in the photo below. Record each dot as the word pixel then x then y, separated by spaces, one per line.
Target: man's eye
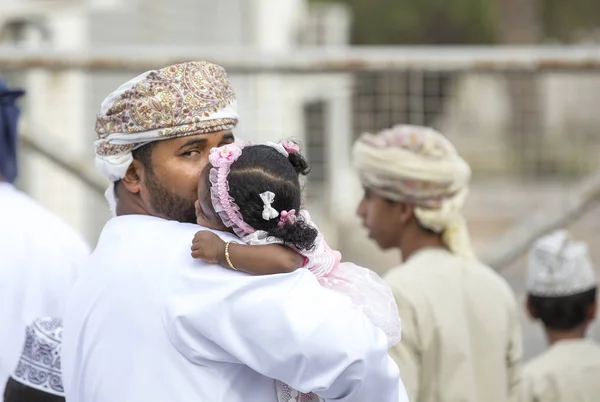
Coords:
pixel 191 153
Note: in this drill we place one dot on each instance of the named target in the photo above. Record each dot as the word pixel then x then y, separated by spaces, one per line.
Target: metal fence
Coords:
pixel 514 112
pixel 524 111
pixel 526 119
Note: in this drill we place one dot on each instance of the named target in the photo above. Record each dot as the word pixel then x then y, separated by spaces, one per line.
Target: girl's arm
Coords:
pixel 257 260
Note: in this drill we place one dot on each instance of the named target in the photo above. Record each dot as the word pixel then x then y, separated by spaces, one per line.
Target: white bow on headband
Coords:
pixel 268 212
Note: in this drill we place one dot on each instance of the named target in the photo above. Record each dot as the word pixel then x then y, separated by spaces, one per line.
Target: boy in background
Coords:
pixel 561 293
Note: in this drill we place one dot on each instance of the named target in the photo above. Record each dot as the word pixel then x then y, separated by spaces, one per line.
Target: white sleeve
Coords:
pixel 286 327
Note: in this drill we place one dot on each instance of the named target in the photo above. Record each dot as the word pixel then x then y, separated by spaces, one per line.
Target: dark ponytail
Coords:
pixel 299 234
pixel 296 159
pixel 299 163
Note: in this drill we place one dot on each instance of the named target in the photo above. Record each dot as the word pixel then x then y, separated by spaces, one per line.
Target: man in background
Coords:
pixel 460 335
pixel 561 294
pixel 39 253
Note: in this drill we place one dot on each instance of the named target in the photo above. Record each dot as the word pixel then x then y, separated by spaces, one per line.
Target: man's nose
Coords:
pixel 361 209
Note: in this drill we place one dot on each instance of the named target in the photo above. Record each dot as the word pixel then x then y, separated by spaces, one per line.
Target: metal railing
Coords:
pixel 513 112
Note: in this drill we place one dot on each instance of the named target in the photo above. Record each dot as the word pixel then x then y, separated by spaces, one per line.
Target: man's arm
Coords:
pixel 514 354
pixel 286 327
pixel 536 387
pixel 527 391
pixel 407 353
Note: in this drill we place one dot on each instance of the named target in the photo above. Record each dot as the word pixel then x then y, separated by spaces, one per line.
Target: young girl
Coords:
pixel 254 190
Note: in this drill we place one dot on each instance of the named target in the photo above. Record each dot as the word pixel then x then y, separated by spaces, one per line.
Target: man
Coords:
pixel 460 333
pixel 37 376
pixel 147 322
pixel 39 254
pixel 561 293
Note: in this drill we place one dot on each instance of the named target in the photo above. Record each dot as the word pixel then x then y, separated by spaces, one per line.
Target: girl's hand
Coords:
pixel 208 247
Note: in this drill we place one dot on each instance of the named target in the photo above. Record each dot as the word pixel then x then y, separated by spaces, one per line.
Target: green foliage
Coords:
pixel 396 22
pixel 568 20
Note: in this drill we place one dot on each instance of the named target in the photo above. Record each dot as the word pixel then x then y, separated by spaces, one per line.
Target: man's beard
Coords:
pixel 168 204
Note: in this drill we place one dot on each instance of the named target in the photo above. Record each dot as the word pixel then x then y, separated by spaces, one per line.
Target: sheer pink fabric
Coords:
pixel 366 289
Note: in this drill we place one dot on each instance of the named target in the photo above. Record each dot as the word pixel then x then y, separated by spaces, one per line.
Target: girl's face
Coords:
pixel 205 213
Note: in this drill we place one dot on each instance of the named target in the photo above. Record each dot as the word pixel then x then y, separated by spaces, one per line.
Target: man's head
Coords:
pixel 561 283
pixel 164 174
pixel 387 221
pixel 9 118
pixel 414 180
pixel 155 133
pixel 38 377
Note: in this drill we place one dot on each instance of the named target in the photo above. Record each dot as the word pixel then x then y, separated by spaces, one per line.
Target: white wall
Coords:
pixel 63 104
pixel 54 108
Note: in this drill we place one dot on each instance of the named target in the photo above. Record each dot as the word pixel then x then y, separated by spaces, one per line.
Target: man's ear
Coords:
pixel 133 177
pixel 592 309
pixel 531 310
pixel 406 212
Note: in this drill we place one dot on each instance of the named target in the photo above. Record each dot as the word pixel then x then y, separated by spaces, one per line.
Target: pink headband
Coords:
pixel 221 159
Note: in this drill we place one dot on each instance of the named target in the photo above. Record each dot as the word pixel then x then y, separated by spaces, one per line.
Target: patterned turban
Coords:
pixel 39 365
pixel 559 266
pixel 418 165
pixel 176 101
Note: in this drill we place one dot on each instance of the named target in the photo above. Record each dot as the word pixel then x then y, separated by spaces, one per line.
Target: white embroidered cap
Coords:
pixel 39 365
pixel 559 266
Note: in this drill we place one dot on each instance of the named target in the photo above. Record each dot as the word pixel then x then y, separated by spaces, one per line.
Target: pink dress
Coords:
pixel 364 287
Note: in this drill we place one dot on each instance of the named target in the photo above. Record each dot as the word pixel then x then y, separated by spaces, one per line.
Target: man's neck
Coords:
pixel 125 209
pixel 127 205
pixel 553 336
pixel 420 239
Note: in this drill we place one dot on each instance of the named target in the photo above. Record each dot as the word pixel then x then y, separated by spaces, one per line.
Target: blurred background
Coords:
pixel 514 84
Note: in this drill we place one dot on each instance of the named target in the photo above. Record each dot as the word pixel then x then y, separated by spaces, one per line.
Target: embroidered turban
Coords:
pixel 559 266
pixel 418 165
pixel 179 100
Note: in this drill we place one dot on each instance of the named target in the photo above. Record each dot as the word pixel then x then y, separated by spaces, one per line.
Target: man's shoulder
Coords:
pixel 142 240
pixel 31 220
pixel 491 279
pixel 157 228
pixel 538 375
pixel 564 362
pixel 417 274
pixel 541 368
pixel 480 274
pixel 421 267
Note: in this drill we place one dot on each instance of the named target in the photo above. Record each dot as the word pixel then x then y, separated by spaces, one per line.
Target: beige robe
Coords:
pixel 461 340
pixel 569 371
